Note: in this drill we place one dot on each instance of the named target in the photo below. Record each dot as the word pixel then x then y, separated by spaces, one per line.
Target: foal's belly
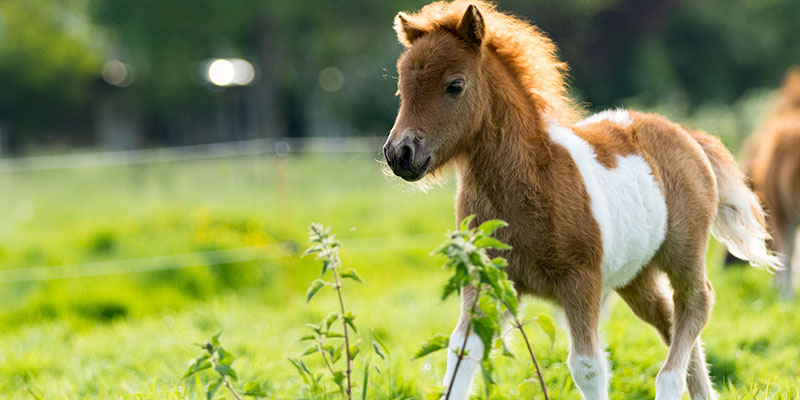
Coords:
pixel 626 202
pixel 632 215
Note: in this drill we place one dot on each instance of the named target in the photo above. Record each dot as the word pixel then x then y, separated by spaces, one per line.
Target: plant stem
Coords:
pixel 530 351
pixel 346 337
pixel 228 385
pixel 463 345
pixel 324 357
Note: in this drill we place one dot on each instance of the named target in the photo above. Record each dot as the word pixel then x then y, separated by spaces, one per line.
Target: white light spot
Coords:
pixel 331 79
pixel 221 72
pixel 117 73
pixel 243 72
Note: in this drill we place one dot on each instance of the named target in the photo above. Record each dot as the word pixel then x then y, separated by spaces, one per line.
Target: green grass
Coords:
pixel 131 335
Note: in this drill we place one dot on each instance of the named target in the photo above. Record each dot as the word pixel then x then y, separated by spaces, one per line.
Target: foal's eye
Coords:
pixel 456 86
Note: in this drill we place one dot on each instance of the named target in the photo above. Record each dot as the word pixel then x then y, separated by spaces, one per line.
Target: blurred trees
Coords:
pixel 48 61
pixel 328 67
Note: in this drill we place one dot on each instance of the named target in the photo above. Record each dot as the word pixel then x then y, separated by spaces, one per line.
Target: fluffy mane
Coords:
pixel 521 46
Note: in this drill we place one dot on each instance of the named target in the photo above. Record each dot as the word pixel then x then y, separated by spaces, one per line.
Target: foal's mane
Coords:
pixel 528 53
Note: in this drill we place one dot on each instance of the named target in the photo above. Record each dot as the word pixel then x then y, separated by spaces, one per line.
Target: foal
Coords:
pixel 774 167
pixel 612 202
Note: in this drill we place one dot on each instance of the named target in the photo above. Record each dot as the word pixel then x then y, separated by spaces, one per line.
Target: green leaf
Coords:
pixel 435 393
pixel 485 328
pixel 433 344
pixel 333 335
pixel 301 368
pixel 309 350
pixel 198 364
pixel 487 369
pixel 348 319
pixel 465 222
pixel 351 274
pixel 212 388
pixel 336 354
pixel 488 227
pixel 314 288
pixel 254 389
pixel 377 338
pixel 378 351
pixel 306 337
pixel 338 378
pixel 547 326
pixel 499 262
pixel 491 243
pixel 215 339
pixel 226 370
pixel 354 350
pixel 330 319
pixel 316 328
pixel 224 357
pixel 365 383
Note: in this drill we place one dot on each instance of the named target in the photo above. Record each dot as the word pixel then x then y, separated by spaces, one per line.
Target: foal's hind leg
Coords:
pixel 650 298
pixel 693 299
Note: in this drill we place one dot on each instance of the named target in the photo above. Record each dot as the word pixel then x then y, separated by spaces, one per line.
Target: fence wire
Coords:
pixel 277 146
pixel 376 244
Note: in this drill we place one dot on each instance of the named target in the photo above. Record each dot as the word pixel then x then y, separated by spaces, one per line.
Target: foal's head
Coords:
pixel 441 94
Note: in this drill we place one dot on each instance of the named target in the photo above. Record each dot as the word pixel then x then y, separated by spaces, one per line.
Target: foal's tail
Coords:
pixel 740 222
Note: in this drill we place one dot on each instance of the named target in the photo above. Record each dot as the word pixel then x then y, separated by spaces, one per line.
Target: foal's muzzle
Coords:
pixel 406 157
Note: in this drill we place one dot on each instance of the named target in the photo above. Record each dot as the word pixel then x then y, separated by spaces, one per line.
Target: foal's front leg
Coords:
pixel 461 383
pixel 587 360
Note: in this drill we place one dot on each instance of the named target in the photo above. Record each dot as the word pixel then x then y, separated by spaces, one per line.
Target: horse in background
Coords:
pixel 616 201
pixel 773 163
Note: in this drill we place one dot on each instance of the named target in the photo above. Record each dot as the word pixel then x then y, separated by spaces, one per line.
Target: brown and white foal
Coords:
pixel 610 203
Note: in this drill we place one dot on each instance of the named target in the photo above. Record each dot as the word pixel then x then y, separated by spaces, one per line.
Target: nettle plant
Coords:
pixel 496 301
pixel 215 358
pixel 323 337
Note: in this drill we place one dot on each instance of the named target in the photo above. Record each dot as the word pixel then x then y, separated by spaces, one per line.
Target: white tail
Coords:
pixel 740 222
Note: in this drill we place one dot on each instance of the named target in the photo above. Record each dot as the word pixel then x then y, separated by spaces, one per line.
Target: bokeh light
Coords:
pixel 221 72
pixel 331 79
pixel 117 73
pixel 230 72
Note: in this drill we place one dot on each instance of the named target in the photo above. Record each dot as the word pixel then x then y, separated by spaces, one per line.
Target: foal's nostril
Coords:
pixel 406 153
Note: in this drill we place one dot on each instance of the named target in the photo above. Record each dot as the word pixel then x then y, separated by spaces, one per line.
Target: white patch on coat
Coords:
pixel 590 375
pixel 669 386
pixel 627 204
pixel 620 116
pixel 462 387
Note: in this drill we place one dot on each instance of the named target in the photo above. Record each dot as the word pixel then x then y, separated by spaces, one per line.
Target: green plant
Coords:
pixel 215 356
pixel 495 297
pixel 326 247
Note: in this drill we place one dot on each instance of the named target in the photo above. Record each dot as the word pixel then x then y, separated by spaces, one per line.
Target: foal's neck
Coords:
pixel 512 146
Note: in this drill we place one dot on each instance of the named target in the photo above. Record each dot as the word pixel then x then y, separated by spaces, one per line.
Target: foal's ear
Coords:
pixel 471 26
pixel 407 31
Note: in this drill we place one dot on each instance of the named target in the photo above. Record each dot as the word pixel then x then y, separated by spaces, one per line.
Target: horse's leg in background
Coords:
pixel 786 241
pixel 462 386
pixel 650 298
pixel 586 361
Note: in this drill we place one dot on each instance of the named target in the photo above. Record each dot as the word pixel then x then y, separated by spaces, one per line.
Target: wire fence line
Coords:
pixel 277 146
pixel 375 244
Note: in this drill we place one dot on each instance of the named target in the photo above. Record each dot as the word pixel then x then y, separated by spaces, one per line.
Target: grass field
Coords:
pixel 126 334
